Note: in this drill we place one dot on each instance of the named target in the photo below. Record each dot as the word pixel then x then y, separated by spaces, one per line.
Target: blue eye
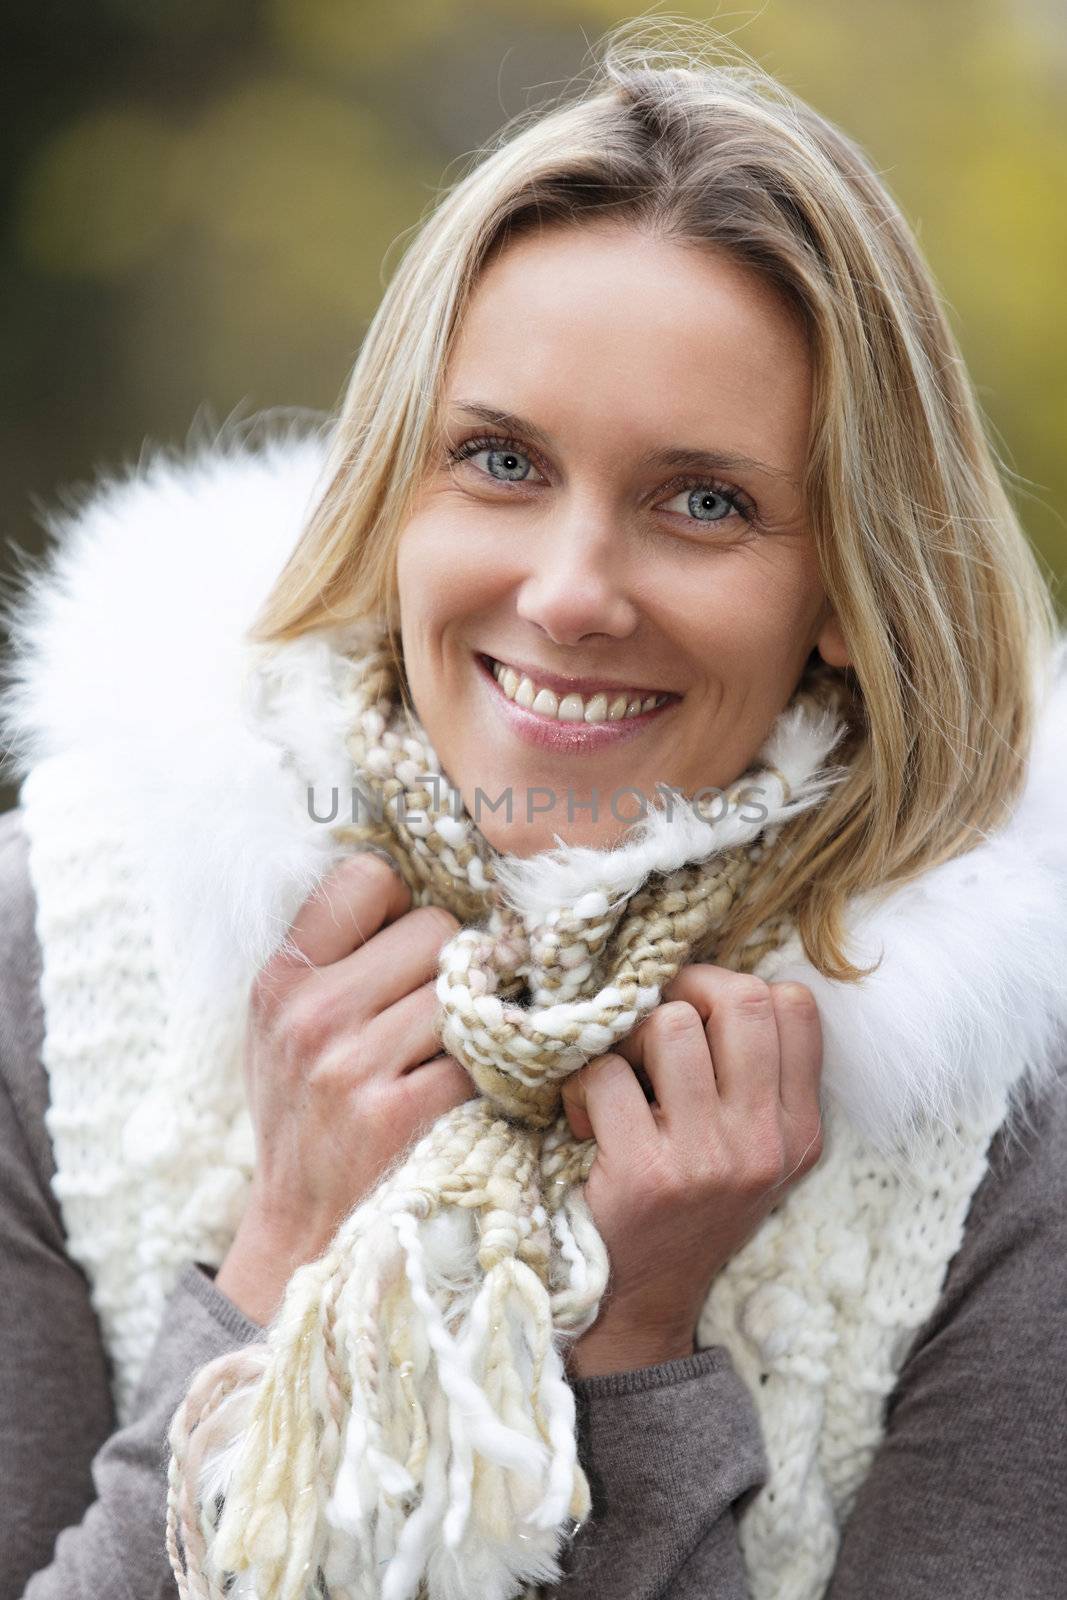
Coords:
pixel 510 464
pixel 505 461
pixel 711 502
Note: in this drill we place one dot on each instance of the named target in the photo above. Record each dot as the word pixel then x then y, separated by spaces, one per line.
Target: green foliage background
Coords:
pixel 203 198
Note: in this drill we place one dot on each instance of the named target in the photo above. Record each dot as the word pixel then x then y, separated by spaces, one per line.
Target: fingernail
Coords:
pixel 382 854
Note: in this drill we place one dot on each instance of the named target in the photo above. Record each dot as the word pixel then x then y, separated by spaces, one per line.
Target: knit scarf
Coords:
pixel 406 1428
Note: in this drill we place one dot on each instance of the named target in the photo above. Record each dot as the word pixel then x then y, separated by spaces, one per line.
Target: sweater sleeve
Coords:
pixel 671 1452
pixel 83 1508
pixel 968 1492
pixel 118 1548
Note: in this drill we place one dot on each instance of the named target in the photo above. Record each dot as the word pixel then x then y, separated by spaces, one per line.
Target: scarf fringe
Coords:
pixel 409 1420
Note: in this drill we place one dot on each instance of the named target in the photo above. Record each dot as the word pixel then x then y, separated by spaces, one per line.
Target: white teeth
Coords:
pixel 571 707
pixel 545 702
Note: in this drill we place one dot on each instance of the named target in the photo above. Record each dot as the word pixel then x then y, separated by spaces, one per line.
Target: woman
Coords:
pixel 658 482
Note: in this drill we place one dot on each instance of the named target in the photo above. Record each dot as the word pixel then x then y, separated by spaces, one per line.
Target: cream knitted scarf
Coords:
pixel 406 1429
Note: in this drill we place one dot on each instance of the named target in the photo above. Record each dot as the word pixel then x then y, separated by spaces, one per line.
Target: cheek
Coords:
pixel 417 555
pixel 427 584
pixel 785 590
pixel 443 568
pixel 448 594
pixel 754 621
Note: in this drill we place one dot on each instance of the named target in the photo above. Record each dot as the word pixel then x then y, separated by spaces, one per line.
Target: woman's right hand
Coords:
pixel 343 1069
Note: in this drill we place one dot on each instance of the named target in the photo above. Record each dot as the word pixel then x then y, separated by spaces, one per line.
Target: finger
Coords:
pixel 604 1101
pixel 380 1048
pixel 362 894
pixel 437 1086
pixel 398 960
pixel 741 1030
pixel 672 1049
pixel 698 984
pixel 632 1049
pixel 800 1043
pixel 406 1034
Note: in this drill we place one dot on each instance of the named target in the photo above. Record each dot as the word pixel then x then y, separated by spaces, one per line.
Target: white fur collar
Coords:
pixel 127 643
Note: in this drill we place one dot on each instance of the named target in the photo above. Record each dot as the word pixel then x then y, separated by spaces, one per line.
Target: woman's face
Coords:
pixel 598 595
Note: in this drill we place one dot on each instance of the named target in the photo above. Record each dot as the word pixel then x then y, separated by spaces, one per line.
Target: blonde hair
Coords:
pixel 949 620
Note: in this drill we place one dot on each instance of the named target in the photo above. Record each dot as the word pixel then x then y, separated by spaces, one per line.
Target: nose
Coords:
pixel 576 582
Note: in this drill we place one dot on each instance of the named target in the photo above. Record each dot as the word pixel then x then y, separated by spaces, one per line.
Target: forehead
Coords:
pixel 639 335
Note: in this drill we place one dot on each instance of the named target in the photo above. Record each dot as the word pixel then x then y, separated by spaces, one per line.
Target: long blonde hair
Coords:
pixel 949 620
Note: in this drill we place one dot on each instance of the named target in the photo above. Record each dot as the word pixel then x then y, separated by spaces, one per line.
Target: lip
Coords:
pixel 548 733
pixel 583 686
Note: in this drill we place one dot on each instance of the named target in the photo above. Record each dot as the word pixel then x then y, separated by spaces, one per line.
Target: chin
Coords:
pixel 521 838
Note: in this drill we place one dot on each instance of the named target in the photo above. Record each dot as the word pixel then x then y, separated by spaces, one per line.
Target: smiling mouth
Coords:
pixel 612 704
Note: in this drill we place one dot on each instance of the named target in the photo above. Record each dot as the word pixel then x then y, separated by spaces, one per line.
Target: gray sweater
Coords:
pixel 967 1495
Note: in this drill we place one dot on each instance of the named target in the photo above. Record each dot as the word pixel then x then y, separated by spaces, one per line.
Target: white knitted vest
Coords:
pixel 153 1142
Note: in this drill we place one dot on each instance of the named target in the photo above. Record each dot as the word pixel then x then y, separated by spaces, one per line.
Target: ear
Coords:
pixel 831 643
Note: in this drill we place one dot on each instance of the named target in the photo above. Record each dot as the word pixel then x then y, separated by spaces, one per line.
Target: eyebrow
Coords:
pixel 679 457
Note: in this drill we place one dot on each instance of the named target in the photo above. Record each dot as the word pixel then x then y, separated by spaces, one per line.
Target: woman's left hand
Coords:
pixel 679 1184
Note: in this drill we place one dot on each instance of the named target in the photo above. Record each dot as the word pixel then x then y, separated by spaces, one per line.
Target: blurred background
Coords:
pixel 202 199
